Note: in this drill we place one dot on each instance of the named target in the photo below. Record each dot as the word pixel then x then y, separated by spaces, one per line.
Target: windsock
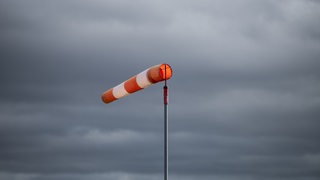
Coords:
pixel 140 81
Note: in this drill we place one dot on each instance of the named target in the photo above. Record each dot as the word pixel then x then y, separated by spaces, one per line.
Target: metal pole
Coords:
pixel 165 93
pixel 165 102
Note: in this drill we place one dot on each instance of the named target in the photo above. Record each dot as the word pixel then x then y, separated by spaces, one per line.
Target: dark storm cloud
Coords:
pixel 244 97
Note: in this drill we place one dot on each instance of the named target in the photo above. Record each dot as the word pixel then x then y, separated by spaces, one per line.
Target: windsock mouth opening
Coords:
pixel 165 71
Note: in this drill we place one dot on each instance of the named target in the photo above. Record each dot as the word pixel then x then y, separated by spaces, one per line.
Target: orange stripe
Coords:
pixel 154 75
pixel 108 97
pixel 131 85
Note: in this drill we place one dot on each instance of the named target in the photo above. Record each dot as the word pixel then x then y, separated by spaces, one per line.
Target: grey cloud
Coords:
pixel 244 96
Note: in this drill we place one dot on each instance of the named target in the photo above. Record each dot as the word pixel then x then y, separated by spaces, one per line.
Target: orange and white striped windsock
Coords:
pixel 140 81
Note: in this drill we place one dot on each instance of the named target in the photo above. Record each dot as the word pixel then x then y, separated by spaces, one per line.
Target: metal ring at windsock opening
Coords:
pixel 140 81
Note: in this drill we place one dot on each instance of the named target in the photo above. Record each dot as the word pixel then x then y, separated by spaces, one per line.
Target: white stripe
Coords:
pixel 119 91
pixel 142 79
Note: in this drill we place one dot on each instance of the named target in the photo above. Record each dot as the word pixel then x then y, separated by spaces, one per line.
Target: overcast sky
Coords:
pixel 244 96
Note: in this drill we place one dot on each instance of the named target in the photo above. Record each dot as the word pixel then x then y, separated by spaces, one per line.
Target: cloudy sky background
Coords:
pixel 244 96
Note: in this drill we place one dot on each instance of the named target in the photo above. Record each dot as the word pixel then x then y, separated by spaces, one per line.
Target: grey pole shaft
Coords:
pixel 165 89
